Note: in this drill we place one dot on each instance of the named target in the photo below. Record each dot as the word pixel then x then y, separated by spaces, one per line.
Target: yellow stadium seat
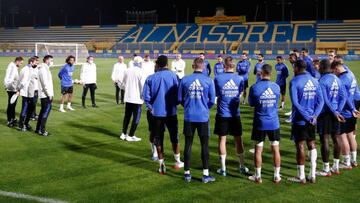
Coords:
pixel 146 51
pixel 118 51
pixel 357 52
pixel 343 52
pixel 166 51
pixel 234 52
pixel 98 51
pixel 156 51
pixel 109 51
pixel 268 52
pixel 257 52
pixel 128 51
pixel 320 52
pixel 280 52
pixel 137 51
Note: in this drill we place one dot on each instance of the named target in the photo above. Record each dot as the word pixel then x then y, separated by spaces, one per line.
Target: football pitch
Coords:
pixel 85 161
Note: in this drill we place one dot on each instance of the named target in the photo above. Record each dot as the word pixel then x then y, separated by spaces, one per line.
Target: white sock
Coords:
pixel 301 171
pixel 282 104
pixel 61 106
pixel 69 104
pixel 276 172
pixel 161 161
pixel 206 172
pixel 313 157
pixel 336 163
pixel 326 166
pixel 177 157
pixel 222 161
pixel 347 159
pixel 241 159
pixel 258 172
pixel 353 156
pixel 187 172
pixel 154 149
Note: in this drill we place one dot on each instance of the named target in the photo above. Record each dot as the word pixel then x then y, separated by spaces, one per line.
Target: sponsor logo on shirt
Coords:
pixel 353 87
pixel 196 90
pixel 309 90
pixel 230 89
pixel 334 89
pixel 268 98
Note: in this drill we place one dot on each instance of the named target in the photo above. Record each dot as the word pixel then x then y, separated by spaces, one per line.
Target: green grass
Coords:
pixel 84 160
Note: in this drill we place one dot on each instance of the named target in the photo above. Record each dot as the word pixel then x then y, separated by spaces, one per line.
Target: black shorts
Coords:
pixel 246 84
pixel 228 126
pixel 67 90
pixel 348 126
pixel 303 132
pixel 357 104
pixel 150 120
pixel 327 124
pixel 203 128
pixel 259 135
pixel 283 89
pixel 171 124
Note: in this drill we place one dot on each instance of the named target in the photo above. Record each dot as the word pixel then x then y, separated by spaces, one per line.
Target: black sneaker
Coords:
pixel 84 106
pixel 95 106
pixel 28 127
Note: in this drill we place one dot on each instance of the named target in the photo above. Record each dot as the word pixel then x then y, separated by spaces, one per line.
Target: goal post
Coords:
pixel 62 50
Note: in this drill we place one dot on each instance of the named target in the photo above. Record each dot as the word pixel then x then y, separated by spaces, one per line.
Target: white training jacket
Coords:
pixel 88 73
pixel 118 74
pixel 148 68
pixel 178 66
pixel 46 87
pixel 134 82
pixel 26 83
pixel 11 78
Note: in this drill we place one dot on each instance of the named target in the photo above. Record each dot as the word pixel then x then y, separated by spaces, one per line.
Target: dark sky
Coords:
pixel 86 12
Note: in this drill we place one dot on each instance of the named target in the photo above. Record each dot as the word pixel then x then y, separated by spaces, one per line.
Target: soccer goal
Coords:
pixel 62 50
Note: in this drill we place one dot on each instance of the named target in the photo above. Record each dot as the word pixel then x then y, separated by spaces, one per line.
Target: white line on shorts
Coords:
pixel 29 197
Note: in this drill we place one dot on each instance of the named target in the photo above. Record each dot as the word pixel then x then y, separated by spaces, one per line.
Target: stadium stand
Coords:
pixel 270 38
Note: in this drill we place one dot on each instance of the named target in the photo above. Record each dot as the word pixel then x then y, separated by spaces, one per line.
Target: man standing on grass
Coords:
pixel 88 79
pixel 348 141
pixel 307 103
pixel 10 84
pixel 160 96
pixel 219 66
pixel 178 66
pixel 258 65
pixel 207 67
pixel 228 87
pixel 26 86
pixel 197 96
pixel 328 122
pixel 134 82
pixel 243 68
pixel 264 96
pixel 117 78
pixel 282 73
pixel 46 94
pixel 67 89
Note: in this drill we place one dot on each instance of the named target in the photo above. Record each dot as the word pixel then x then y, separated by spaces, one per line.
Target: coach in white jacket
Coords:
pixel 178 66
pixel 46 94
pixel 88 79
pixel 27 87
pixel 10 84
pixel 117 77
pixel 134 83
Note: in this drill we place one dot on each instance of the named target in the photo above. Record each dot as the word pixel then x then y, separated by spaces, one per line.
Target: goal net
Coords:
pixel 60 51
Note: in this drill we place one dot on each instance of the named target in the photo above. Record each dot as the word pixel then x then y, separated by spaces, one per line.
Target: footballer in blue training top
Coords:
pixel 243 68
pixel 197 96
pixel 307 102
pixel 264 96
pixel 228 87
pixel 282 73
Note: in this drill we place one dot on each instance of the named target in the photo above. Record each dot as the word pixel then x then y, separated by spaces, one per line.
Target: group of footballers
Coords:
pixel 324 95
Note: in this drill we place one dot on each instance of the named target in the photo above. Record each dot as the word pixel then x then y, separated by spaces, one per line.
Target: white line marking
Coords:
pixel 29 197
